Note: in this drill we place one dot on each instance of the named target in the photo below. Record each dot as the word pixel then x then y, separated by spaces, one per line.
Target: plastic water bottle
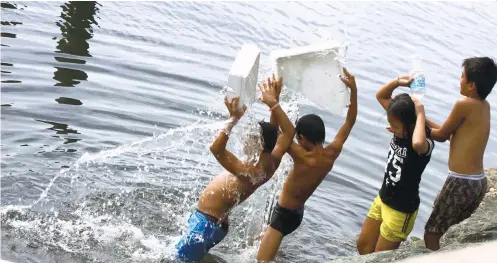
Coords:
pixel 418 86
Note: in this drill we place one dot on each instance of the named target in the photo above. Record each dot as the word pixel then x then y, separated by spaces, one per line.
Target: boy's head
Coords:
pixel 269 134
pixel 262 141
pixel 310 131
pixel 478 77
pixel 401 114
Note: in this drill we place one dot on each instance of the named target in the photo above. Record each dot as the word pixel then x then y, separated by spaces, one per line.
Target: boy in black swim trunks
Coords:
pixel 312 162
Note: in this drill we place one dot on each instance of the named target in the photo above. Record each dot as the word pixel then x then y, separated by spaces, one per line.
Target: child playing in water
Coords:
pixel 393 212
pixel 312 162
pixel 208 225
pixel 468 126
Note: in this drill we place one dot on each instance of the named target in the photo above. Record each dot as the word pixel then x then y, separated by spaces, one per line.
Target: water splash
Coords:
pixel 137 205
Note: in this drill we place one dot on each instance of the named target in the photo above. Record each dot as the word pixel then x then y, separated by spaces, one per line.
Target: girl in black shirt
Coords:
pixel 393 212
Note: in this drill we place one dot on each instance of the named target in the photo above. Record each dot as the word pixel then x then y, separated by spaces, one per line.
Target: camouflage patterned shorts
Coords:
pixel 457 200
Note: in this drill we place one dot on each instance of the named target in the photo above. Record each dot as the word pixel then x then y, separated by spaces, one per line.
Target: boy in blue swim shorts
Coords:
pixel 204 232
pixel 208 224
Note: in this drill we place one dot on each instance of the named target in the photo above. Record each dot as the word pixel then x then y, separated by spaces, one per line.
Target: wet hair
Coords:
pixel 311 126
pixel 483 72
pixel 269 135
pixel 402 107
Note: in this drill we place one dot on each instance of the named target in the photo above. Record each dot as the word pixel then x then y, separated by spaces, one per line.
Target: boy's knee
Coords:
pixel 364 247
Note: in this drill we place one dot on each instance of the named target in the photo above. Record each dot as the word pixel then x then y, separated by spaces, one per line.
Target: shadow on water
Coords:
pixel 76 28
pixel 10 35
pixel 64 100
pixel 60 128
pixel 11 6
pixel 10 23
pixel 6 25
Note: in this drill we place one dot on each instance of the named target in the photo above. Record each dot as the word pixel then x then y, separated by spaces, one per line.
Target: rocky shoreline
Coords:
pixel 481 227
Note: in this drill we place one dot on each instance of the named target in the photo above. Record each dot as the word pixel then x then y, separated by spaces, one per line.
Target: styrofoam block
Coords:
pixel 242 79
pixel 314 72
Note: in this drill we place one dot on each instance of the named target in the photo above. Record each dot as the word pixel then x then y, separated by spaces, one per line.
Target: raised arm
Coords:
pixel 279 85
pixel 419 142
pixel 294 149
pixel 269 94
pixel 337 144
pixel 227 159
pixel 384 94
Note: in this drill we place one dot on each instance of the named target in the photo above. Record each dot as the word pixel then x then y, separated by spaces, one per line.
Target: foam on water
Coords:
pixel 84 231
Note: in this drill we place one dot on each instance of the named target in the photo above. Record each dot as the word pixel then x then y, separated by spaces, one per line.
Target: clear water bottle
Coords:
pixel 418 86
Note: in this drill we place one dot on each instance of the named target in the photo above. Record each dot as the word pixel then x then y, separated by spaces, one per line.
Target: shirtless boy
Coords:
pixel 312 162
pixel 208 225
pixel 468 127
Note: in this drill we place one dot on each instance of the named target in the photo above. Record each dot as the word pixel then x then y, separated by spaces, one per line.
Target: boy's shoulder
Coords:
pixel 466 104
pixel 314 159
pixel 467 101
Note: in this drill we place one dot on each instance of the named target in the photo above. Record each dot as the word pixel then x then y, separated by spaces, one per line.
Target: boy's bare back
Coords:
pixel 311 166
pixel 469 140
pixel 312 162
pixel 309 170
pixel 226 190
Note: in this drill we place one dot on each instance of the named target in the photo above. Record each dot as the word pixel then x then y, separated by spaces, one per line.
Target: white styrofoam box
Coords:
pixel 314 72
pixel 242 80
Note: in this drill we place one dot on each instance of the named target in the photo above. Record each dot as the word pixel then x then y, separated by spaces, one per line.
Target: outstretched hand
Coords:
pixel 235 112
pixel 279 85
pixel 349 79
pixel 270 91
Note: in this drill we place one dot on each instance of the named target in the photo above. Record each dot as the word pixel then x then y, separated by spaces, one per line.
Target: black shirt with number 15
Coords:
pixel 400 188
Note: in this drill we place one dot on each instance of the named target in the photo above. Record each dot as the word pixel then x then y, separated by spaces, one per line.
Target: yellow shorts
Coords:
pixel 395 226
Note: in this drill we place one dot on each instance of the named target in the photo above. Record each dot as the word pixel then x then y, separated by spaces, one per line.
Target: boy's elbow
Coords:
pixel 439 137
pixel 285 142
pixel 288 132
pixel 287 139
pixel 378 96
pixel 214 150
